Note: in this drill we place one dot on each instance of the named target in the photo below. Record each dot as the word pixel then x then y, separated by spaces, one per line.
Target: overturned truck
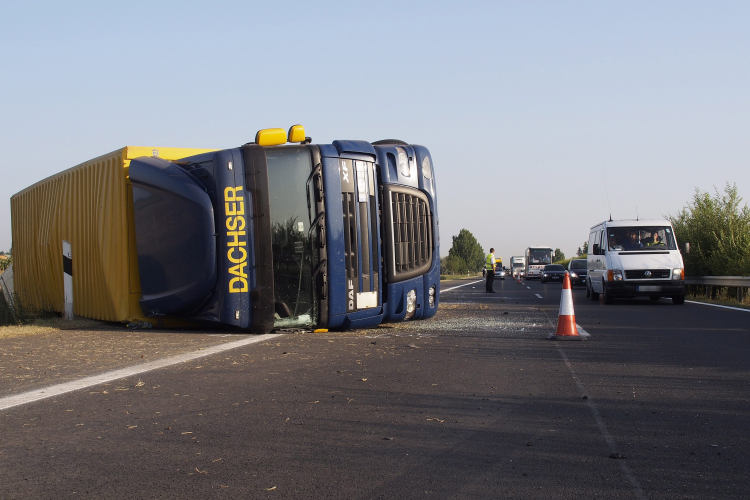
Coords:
pixel 278 233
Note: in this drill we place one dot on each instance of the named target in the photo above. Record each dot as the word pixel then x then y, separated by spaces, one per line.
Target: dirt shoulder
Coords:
pixel 54 351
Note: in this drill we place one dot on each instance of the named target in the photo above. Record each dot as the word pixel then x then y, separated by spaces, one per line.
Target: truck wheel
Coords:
pixel 678 300
pixel 594 295
pixel 608 298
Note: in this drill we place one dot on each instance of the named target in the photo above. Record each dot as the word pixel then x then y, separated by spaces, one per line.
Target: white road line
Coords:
pixel 75 385
pixel 636 487
pixel 717 305
pixel 528 287
pixel 459 286
pixel 538 296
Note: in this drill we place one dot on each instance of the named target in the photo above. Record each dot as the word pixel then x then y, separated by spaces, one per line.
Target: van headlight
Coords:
pixel 677 274
pixel 411 304
pixel 614 275
pixel 573 275
pixel 432 296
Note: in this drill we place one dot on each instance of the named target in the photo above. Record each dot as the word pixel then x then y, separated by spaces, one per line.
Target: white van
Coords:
pixel 631 258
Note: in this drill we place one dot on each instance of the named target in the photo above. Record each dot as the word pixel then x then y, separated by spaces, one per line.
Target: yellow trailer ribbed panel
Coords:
pixel 90 206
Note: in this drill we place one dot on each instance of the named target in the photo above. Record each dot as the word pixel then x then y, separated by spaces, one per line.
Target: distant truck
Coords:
pixel 517 265
pixel 536 258
pixel 264 236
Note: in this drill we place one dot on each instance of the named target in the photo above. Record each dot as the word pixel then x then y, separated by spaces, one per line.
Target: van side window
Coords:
pixel 594 241
pixel 603 240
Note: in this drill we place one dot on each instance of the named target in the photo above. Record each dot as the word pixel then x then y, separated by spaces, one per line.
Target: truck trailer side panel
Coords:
pixel 90 206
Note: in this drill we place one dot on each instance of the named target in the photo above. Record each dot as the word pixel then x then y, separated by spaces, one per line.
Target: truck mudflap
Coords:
pixel 174 223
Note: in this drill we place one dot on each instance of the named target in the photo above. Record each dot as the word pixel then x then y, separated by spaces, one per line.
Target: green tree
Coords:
pixel 583 250
pixel 453 265
pixel 466 247
pixel 718 232
pixel 559 255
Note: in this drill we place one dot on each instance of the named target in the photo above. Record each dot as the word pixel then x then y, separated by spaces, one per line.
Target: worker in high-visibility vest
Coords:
pixel 489 266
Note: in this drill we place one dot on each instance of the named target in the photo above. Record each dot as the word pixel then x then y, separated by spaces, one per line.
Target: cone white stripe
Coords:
pixel 566 303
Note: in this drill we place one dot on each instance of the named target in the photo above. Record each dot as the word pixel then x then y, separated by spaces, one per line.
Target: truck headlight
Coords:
pixel 411 304
pixel 432 296
pixel 677 274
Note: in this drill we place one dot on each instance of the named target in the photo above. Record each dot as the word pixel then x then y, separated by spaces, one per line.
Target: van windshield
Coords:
pixel 641 238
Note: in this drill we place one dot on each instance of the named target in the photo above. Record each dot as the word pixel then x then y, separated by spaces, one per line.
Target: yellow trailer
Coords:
pixel 91 207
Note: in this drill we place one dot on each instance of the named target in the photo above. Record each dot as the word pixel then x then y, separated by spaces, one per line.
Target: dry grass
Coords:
pixel 721 302
pixel 48 325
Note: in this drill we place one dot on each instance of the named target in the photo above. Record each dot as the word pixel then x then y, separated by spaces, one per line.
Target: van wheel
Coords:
pixel 588 292
pixel 678 300
pixel 594 295
pixel 654 298
pixel 608 298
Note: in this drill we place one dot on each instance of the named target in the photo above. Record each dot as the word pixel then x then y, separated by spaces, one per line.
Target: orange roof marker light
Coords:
pixel 270 137
pixel 296 133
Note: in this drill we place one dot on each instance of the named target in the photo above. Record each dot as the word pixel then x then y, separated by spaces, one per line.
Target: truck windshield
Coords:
pixel 288 171
pixel 641 238
pixel 541 256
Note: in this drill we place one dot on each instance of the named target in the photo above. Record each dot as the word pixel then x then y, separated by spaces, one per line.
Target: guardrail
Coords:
pixel 739 282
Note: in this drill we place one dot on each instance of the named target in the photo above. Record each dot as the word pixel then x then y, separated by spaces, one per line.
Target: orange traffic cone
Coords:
pixel 566 319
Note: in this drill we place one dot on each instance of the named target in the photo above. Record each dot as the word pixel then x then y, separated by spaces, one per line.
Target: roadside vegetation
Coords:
pixel 718 232
pixel 6 259
pixel 16 312
pixel 465 257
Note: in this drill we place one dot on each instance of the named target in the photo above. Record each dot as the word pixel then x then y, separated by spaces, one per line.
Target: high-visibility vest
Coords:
pixel 490 260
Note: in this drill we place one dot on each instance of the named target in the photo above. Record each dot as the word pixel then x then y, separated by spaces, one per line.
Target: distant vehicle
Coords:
pixel 552 272
pixel 635 258
pixel 578 268
pixel 536 258
pixel 500 273
pixel 517 265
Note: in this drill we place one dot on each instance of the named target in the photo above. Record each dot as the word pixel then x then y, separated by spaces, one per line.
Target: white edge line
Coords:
pixel 538 296
pixel 717 305
pixel 459 286
pixel 74 385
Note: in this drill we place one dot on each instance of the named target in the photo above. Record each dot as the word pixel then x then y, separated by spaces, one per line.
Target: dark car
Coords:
pixel 578 269
pixel 552 272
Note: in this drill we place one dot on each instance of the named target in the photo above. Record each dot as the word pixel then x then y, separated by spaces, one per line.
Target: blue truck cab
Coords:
pixel 275 235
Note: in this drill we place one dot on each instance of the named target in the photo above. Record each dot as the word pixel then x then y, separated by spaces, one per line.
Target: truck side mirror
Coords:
pixel 596 249
pixel 686 248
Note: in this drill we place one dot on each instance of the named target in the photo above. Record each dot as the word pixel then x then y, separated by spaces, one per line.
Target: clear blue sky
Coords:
pixel 551 96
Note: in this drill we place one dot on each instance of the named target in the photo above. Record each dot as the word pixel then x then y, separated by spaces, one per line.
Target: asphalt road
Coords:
pixel 475 403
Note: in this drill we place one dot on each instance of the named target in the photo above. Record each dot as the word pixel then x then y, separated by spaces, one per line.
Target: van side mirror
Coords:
pixel 596 249
pixel 686 248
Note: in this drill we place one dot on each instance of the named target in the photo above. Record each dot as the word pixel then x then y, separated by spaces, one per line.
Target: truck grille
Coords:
pixel 409 239
pixel 350 236
pixel 640 274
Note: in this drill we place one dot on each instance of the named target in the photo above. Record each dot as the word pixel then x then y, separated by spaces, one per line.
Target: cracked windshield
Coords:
pixel 288 170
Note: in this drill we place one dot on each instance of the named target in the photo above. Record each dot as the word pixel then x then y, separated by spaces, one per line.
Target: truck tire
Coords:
pixel 608 298
pixel 594 295
pixel 385 142
pixel 678 300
